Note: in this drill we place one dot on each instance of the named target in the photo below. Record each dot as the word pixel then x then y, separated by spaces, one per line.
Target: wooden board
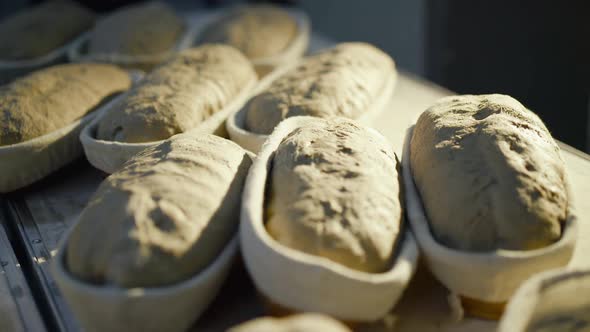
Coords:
pixel 42 213
pixel 18 311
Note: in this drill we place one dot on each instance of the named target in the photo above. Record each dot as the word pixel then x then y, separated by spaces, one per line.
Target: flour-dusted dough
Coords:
pixel 297 323
pixel 335 193
pixel 143 29
pixel 489 173
pixel 164 216
pixel 37 31
pixel 258 31
pixel 342 81
pixel 178 95
pixel 53 98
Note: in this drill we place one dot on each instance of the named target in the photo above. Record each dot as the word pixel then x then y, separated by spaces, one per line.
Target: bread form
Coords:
pixel 178 95
pixel 334 192
pixel 489 174
pixel 53 98
pixel 37 31
pixel 163 217
pixel 294 280
pixel 259 31
pixel 295 323
pixel 566 320
pixel 555 300
pixel 143 29
pixel 341 81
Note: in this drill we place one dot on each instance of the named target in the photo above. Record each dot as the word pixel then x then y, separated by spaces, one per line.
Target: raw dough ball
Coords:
pixel 489 173
pixel 296 323
pixel 53 98
pixel 179 95
pixel 258 31
pixel 37 31
pixel 342 81
pixel 335 193
pixel 164 217
pixel 143 29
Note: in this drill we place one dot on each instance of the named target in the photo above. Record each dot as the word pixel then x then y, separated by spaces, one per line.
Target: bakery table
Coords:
pixel 38 217
pixel 18 311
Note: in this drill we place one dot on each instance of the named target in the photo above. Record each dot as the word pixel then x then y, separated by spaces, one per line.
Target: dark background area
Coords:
pixel 536 51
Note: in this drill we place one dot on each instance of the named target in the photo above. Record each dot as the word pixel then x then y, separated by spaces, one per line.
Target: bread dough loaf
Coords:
pixel 164 217
pixel 489 173
pixel 335 193
pixel 296 323
pixel 144 29
pixel 178 95
pixel 259 31
pixel 37 31
pixel 342 81
pixel 52 98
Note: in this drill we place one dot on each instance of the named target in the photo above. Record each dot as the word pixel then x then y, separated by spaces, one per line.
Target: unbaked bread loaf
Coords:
pixel 297 323
pixel 334 192
pixel 179 95
pixel 258 31
pixel 52 98
pixel 144 29
pixel 342 81
pixel 489 174
pixel 37 31
pixel 163 217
